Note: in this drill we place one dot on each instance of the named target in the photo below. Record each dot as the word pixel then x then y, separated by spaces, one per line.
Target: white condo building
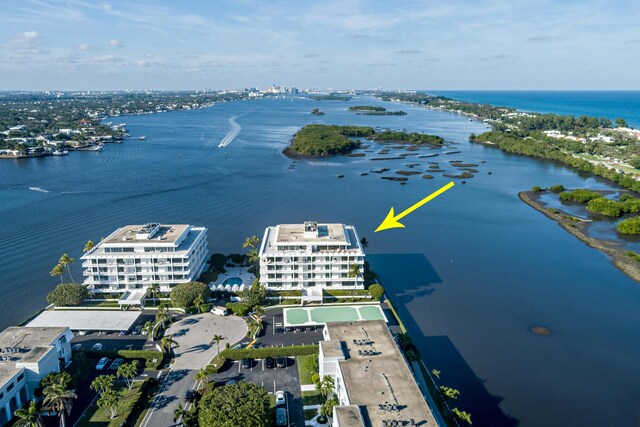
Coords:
pixel 310 255
pixel 136 256
pixel 28 354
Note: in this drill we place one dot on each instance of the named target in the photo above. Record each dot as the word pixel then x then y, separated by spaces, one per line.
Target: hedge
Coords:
pixel 184 294
pixel 261 353
pixel 147 355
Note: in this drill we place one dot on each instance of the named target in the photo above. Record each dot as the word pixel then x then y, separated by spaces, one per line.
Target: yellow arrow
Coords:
pixel 391 221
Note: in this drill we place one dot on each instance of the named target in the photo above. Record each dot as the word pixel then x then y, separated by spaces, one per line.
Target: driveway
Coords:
pixel 193 335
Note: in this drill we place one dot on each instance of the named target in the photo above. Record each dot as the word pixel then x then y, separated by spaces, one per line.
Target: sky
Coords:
pixel 344 44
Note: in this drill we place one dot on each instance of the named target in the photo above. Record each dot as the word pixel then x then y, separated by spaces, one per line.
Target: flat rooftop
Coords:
pixel 327 233
pixel 375 373
pixel 88 320
pixel 168 233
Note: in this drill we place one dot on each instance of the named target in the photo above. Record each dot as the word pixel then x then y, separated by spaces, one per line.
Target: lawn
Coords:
pixel 310 414
pixel 311 398
pixel 305 375
pixel 141 410
pixel 95 415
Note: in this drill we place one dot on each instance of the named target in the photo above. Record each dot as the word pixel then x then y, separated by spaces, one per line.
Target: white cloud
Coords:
pixel 106 58
pixel 84 46
pixel 115 43
pixel 30 35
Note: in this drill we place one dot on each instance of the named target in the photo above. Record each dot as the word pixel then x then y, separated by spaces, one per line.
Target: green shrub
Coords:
pixel 580 195
pixel 557 188
pixel 218 261
pixel 606 207
pixel 216 364
pixel 238 309
pixel 629 226
pixel 376 291
pixel 634 256
pixel 184 294
pixel 536 189
pixel 148 356
pixel 204 308
pixel 261 353
pixel 68 294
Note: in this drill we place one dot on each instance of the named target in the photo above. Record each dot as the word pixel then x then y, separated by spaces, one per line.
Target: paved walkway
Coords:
pixel 193 335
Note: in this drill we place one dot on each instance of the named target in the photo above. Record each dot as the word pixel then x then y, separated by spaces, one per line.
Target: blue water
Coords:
pixel 471 273
pixel 232 281
pixel 608 104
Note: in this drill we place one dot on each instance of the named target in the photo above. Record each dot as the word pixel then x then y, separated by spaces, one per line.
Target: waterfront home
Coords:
pixel 372 381
pixel 311 256
pixel 28 354
pixel 136 256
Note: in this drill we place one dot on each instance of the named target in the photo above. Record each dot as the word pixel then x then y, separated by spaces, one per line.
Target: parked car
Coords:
pixel 281 362
pixel 136 330
pixel 231 382
pixel 280 398
pixel 257 345
pixel 190 396
pixel 269 363
pixel 281 416
pixel 129 346
pixel 76 347
pixel 96 347
pixel 246 363
pixel 102 363
pixel 116 364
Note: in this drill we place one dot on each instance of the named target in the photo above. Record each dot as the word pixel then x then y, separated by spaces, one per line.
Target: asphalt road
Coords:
pixel 193 335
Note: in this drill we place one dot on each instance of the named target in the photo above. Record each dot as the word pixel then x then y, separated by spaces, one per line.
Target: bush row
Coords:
pixel 261 353
pixel 148 356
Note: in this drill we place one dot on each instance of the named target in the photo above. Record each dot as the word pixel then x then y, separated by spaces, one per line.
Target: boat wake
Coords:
pixel 41 190
pixel 235 130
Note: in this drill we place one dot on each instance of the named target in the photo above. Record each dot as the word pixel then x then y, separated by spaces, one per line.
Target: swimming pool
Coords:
pixel 232 281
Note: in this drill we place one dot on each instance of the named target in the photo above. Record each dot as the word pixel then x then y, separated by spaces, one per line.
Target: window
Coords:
pixel 10 387
pixel 20 377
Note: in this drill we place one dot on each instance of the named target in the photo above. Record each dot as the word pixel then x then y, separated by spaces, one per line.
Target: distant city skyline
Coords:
pixel 348 44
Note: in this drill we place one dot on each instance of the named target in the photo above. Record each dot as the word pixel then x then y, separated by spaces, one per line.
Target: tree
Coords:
pixel 254 258
pixel 255 295
pixel 128 372
pixel 28 417
pixel 217 338
pixel 79 360
pixel 68 294
pixel 65 262
pixel 202 379
pixel 251 242
pixel 436 373
pixel 449 393
pixel 198 301
pixel 109 402
pixel 185 294
pixel 153 290
pixel 311 364
pixel 62 379
pixel 354 272
pixel 463 415
pixel 59 399
pixel 634 162
pixel 179 413
pixel 621 122
pixel 57 271
pixel 326 386
pixel 326 410
pixel 536 189
pixel 364 242
pixel 240 404
pixel 376 291
pixel 88 246
pixel 103 383
pixel 166 344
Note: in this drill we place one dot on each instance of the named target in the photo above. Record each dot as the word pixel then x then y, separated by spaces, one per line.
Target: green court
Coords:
pixel 309 316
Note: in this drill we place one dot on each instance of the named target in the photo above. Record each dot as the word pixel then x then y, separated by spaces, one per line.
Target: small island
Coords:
pixel 330 97
pixel 318 140
pixel 369 110
pixel 317 112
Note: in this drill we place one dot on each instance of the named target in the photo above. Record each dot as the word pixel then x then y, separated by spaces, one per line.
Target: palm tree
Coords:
pixel 102 384
pixel 88 246
pixel 57 271
pixel 364 242
pixel 167 343
pixel 59 399
pixel 80 361
pixel 179 413
pixel 325 386
pixel 354 271
pixel 254 258
pixel 202 379
pixel 251 242
pixel 28 417
pixel 65 262
pixel 198 301
pixel 153 290
pixel 217 339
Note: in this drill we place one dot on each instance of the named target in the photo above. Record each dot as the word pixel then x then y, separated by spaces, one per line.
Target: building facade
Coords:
pixel 28 354
pixel 136 256
pixel 372 380
pixel 311 255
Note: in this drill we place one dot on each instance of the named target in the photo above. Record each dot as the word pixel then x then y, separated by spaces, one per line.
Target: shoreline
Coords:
pixel 617 255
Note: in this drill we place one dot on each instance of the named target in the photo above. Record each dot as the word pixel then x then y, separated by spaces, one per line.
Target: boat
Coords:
pixel 142 138
pixel 60 152
pixel 92 147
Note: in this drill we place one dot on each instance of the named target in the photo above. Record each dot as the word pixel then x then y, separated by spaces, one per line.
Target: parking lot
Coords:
pixel 275 334
pixel 274 379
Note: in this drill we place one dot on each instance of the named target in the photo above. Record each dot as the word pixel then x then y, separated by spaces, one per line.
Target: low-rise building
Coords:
pixel 136 256
pixel 311 255
pixel 373 383
pixel 28 354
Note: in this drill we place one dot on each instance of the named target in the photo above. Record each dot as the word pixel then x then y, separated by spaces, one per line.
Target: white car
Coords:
pixel 76 347
pixel 97 347
pixel 280 398
pixel 102 363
